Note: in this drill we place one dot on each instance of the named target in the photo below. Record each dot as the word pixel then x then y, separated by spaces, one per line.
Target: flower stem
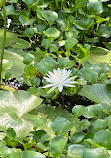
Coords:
pixel 63 101
pixel 4 41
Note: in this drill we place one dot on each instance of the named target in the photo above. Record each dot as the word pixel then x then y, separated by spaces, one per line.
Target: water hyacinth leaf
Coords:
pixel 13 109
pixel 41 136
pixel 96 153
pixel 102 135
pixel 50 16
pixel 25 21
pixel 91 40
pixel 64 62
pixel 52 33
pixel 89 75
pixel 10 10
pixel 95 7
pixel 75 151
pixel 104 31
pixel 78 110
pixel 77 137
pixel 62 25
pixel 29 32
pixel 14 1
pixel 79 3
pixel 54 47
pixel 39 28
pixel 97 92
pixel 71 33
pixel 61 125
pixel 84 23
pixel 46 65
pixel 28 58
pixel 32 154
pixel 100 124
pixel 57 145
pixel 46 43
pixel 70 43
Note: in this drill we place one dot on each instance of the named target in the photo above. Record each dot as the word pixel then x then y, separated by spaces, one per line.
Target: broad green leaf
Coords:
pixel 65 62
pixel 28 58
pixel 16 63
pixel 76 151
pixel 100 124
pixel 84 23
pixel 39 28
pixel 70 43
pixel 2 2
pixel 97 92
pixel 95 7
pixel 89 75
pixel 96 153
pixel 10 152
pixel 26 21
pixel 71 33
pixel 29 32
pixel 32 154
pixel 104 31
pixel 103 137
pixel 57 145
pixel 52 33
pixel 13 108
pixel 91 40
pixel 99 55
pixel 50 16
pixel 61 125
pixel 10 10
pixel 41 136
pixel 62 25
pixel 107 44
pixel 14 1
pixel 46 43
pixel 77 137
pixel 46 65
pixel 12 40
pixel 6 64
pixel 78 110
pixel 54 47
pixel 80 4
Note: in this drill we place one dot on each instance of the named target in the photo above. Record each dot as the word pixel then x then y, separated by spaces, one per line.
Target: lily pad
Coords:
pixel 14 107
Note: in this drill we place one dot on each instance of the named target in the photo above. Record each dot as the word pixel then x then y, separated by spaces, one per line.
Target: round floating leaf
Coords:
pixel 13 109
pixel 76 151
pixel 46 43
pixel 10 10
pixel 103 137
pixel 84 23
pixel 96 153
pixel 57 145
pixel 6 64
pixel 29 32
pixel 52 33
pixel 25 21
pixel 95 7
pixel 32 154
pixel 97 92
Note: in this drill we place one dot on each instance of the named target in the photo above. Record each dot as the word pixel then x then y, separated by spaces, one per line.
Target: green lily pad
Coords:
pixel 14 107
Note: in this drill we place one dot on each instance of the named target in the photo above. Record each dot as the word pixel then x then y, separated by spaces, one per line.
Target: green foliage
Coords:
pixel 49 34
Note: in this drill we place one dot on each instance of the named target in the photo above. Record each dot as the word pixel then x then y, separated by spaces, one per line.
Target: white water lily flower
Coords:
pixel 59 78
